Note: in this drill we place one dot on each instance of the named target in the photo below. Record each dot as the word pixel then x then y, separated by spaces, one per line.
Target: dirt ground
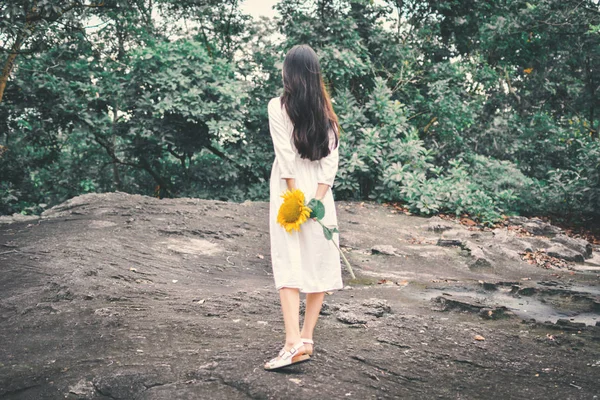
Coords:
pixel 117 296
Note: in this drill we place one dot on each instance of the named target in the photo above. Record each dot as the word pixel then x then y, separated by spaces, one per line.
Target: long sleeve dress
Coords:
pixel 304 260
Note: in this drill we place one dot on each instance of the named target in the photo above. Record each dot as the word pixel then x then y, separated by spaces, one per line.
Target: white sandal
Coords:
pixel 290 357
pixel 309 341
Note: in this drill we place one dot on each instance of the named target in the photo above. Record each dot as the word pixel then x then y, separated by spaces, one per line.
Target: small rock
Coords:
pixel 578 245
pixel 325 309
pixel 570 324
pixel 82 388
pixel 564 253
pixel 480 263
pixel 496 313
pixel 210 365
pixel 377 307
pixel 479 338
pixel 489 286
pixel 449 242
pixel 438 225
pixel 385 250
pixel 535 226
pixel 350 318
pixel 527 291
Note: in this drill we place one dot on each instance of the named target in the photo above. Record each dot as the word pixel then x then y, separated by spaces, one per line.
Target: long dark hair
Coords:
pixel 307 103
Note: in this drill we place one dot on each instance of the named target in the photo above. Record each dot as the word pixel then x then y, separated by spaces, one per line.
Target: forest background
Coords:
pixel 486 108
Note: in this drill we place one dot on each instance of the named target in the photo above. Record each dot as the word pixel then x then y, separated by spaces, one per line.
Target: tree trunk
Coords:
pixel 10 63
pixel 116 176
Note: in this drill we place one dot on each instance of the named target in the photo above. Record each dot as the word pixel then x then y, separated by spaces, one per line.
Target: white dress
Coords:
pixel 304 260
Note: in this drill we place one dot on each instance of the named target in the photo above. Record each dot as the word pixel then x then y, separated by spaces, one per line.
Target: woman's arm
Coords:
pixel 321 191
pixel 291 183
pixel 328 167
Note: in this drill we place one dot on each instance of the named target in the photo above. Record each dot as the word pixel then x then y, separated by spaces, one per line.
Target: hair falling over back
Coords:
pixel 307 103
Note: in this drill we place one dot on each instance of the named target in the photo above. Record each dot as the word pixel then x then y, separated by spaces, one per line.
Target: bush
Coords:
pixel 383 159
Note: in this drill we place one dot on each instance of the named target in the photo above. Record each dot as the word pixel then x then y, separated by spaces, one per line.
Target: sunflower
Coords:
pixel 293 212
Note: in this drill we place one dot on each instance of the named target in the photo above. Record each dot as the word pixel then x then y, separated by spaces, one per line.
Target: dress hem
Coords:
pixel 307 291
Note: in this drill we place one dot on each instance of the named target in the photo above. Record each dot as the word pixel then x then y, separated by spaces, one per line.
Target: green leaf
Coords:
pixel 328 233
pixel 317 209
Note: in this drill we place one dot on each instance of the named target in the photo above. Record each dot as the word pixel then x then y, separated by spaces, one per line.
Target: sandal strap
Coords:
pixel 307 341
pixel 285 357
pixel 295 348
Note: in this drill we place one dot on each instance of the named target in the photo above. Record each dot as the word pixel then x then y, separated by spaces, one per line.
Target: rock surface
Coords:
pixel 117 296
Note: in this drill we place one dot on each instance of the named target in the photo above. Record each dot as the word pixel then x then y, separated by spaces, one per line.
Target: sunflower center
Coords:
pixel 291 211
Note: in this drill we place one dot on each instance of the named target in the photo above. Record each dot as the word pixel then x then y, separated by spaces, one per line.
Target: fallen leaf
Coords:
pixel 479 337
pixel 468 222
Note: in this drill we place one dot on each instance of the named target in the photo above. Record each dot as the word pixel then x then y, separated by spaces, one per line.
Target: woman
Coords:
pixel 304 129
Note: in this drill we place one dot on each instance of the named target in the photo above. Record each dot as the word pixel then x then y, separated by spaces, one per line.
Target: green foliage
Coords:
pixel 479 108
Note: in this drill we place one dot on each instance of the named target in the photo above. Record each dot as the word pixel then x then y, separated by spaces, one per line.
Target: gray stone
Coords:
pixel 377 307
pixel 480 263
pixel 325 309
pixel 517 220
pixel 564 253
pixel 538 227
pixel 438 225
pixel 566 322
pixel 386 250
pixel 449 242
pixel 16 217
pixel 579 245
pixel 82 390
pixel 480 258
pixel 350 318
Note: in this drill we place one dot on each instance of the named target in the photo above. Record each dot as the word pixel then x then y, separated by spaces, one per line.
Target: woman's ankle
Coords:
pixel 291 343
pixel 306 335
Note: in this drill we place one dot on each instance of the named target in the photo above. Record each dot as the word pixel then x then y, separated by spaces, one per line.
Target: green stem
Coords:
pixel 342 254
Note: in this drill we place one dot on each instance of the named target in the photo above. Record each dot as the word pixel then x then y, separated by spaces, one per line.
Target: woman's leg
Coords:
pixel 290 306
pixel 314 301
